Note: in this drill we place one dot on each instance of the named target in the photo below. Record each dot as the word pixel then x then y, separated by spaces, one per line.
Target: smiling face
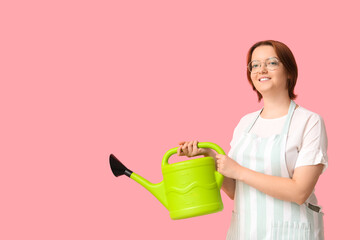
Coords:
pixel 266 81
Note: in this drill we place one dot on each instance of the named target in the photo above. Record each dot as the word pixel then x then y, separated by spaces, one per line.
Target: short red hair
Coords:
pixel 286 57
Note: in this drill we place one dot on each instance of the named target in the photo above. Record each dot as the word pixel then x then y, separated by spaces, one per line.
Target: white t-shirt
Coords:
pixel 307 140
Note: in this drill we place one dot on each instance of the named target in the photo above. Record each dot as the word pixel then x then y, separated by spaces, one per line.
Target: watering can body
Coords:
pixel 190 188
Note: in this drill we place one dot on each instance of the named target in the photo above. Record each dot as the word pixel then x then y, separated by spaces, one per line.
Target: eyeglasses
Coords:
pixel 270 63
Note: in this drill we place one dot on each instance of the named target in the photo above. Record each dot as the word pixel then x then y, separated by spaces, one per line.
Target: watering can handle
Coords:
pixel 172 151
pixel 218 176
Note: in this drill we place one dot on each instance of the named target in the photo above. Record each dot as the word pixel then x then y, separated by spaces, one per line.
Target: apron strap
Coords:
pixel 288 119
pixel 253 122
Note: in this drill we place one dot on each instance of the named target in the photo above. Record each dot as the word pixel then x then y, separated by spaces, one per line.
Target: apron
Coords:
pixel 260 216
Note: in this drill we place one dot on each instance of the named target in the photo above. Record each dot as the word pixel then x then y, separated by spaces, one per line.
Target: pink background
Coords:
pixel 83 79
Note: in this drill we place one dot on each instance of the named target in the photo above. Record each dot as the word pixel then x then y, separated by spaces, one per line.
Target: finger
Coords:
pixel 179 152
pixel 190 148
pixel 195 147
pixel 185 148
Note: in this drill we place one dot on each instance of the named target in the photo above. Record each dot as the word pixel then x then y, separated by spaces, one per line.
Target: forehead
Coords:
pixel 263 52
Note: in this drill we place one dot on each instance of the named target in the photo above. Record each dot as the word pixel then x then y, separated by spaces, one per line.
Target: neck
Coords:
pixel 275 107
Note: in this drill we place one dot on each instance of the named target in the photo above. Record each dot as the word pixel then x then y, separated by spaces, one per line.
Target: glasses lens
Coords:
pixel 272 63
pixel 254 66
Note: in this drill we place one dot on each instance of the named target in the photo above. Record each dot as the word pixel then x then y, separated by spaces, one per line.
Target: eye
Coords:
pixel 255 65
pixel 273 63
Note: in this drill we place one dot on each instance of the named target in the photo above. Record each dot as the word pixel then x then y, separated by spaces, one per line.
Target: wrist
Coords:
pixel 241 173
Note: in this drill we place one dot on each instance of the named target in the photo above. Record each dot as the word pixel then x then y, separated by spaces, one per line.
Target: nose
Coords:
pixel 263 68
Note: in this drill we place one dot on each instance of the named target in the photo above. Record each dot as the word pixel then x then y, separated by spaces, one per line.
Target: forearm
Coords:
pixel 228 187
pixel 278 187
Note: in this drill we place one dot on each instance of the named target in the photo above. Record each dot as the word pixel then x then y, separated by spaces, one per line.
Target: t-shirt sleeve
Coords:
pixel 313 149
pixel 230 153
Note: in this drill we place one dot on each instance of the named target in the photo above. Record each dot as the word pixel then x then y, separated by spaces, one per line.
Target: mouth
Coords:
pixel 263 79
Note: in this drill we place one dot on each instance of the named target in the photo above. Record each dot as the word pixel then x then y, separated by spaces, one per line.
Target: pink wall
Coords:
pixel 83 79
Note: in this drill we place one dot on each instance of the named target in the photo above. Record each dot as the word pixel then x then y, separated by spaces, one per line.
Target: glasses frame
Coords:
pixel 261 62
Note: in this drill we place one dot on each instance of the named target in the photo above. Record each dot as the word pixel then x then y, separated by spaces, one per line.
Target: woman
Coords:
pixel 277 155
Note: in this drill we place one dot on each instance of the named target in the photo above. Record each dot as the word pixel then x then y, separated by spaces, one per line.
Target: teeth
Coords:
pixel 264 79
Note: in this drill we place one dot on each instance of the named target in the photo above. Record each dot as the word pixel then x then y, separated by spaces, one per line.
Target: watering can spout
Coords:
pixel 190 188
pixel 158 190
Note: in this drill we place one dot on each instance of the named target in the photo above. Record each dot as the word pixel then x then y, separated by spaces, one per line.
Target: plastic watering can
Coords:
pixel 189 188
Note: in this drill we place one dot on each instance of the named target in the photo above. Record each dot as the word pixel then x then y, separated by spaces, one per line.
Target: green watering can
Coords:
pixel 190 188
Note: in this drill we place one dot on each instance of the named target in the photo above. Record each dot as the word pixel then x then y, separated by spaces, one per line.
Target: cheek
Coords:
pixel 282 77
pixel 285 79
pixel 253 78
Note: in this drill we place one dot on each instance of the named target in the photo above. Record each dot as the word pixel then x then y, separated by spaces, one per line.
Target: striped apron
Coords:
pixel 260 216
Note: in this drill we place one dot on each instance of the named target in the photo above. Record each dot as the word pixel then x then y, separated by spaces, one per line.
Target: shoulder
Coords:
pixel 242 125
pixel 304 115
pixel 245 121
pixel 307 120
pixel 249 117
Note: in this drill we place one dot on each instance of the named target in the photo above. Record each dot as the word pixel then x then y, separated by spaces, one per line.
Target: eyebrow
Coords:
pixel 265 59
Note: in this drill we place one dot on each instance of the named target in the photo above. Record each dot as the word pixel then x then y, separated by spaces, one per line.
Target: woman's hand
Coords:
pixel 190 149
pixel 227 166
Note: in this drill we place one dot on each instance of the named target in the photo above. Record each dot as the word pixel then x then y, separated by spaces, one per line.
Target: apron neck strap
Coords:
pixel 288 119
